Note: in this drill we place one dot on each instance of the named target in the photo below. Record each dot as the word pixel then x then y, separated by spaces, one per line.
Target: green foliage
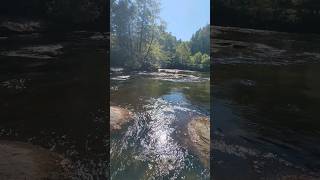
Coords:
pixel 139 39
pixel 205 61
pixel 160 57
pixel 200 61
pixel 200 41
pixel 134 28
pixel 183 53
pixel 196 59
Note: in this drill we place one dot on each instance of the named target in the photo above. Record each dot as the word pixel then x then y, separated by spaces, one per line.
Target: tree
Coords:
pixel 122 17
pixel 200 41
pixel 139 39
pixel 205 62
pixel 134 27
pixel 183 53
pixel 196 59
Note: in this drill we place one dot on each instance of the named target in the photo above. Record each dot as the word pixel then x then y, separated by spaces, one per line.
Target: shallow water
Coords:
pixel 155 144
pixel 266 114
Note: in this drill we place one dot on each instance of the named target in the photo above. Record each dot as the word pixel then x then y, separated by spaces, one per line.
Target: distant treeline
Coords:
pixel 139 39
pixel 62 14
pixel 281 15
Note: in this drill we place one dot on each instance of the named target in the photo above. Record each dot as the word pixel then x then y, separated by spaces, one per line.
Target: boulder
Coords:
pixel 119 117
pixel 25 161
pixel 199 135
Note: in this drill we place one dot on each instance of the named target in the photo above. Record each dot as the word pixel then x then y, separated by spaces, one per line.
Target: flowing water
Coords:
pixel 155 144
pixel 266 105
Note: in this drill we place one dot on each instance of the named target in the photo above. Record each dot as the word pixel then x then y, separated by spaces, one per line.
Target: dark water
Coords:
pixel 53 94
pixel 266 109
pixel 154 144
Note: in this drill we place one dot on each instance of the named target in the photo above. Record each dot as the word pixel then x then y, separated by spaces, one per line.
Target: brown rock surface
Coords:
pixel 25 161
pixel 118 117
pixel 199 134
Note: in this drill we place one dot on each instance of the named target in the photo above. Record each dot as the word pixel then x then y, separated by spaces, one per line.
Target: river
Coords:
pixel 155 143
pixel 266 101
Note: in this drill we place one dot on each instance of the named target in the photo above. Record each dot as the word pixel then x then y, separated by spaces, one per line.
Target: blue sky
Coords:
pixel 185 17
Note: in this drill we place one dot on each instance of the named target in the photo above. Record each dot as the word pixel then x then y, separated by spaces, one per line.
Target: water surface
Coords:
pixel 155 144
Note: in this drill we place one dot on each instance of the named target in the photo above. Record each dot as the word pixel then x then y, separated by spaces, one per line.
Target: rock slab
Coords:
pixel 199 134
pixel 25 161
pixel 119 117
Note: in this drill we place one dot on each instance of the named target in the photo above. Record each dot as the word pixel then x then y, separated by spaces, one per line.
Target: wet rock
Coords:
pixel 250 46
pixel 99 36
pixel 36 52
pixel 53 49
pixel 22 27
pixel 173 77
pixel 174 71
pixel 121 78
pixel 199 134
pixel 24 161
pixel 16 84
pixel 119 117
pixel 116 69
pixel 297 177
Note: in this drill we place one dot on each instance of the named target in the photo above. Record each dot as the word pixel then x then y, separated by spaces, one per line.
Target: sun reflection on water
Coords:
pixel 152 136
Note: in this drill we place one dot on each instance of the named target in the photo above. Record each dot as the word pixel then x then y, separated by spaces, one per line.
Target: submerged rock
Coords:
pixel 174 77
pixel 199 134
pixel 118 117
pixel 24 161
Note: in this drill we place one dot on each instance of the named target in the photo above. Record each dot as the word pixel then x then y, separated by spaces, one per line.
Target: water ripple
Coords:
pixel 151 140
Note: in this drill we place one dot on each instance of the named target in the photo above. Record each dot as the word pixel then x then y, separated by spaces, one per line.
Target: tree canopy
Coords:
pixel 139 39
